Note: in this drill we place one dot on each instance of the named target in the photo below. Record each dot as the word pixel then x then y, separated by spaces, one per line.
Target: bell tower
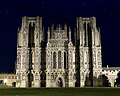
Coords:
pixel 60 58
pixel 30 36
pixel 89 48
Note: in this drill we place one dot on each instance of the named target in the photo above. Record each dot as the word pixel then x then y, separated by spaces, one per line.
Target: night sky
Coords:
pixel 107 13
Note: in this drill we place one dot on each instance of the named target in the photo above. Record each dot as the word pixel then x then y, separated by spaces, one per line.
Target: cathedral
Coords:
pixel 59 62
pixel 64 60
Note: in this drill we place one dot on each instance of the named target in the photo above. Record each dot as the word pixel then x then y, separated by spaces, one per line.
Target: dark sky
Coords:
pixel 107 13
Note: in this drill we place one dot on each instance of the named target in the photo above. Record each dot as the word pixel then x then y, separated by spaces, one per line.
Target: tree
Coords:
pixel 117 83
pixel 1 82
pixel 106 82
pixel 103 81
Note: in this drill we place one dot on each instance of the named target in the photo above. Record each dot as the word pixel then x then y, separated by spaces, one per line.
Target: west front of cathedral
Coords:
pixel 58 62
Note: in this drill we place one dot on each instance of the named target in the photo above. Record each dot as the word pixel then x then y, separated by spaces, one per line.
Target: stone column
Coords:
pixel 56 59
pixel 37 80
pixel 62 59
pixel 82 78
pixel 48 79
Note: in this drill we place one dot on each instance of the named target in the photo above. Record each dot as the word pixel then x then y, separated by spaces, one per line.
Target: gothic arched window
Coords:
pixel 37 36
pixel 59 59
pixel 85 33
pixel 18 58
pixel 54 60
pixel 36 75
pixel 65 59
pixel 19 77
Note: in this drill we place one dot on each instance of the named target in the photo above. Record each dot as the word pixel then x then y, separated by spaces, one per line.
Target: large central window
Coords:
pixel 54 60
pixel 65 59
pixel 59 59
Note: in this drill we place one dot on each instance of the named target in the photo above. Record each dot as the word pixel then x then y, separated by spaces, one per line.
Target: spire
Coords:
pixel 52 31
pixel 69 34
pixel 80 27
pixel 99 36
pixel 65 28
pixel 75 35
pixel 37 23
pixel 18 37
pixel 18 29
pixel 48 34
pixel 80 23
pixel 37 19
pixel 77 22
pixel 77 29
pixel 93 20
pixel 42 35
pixel 59 27
pixel 24 21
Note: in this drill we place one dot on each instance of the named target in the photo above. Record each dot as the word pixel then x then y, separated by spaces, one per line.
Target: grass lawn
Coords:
pixel 59 91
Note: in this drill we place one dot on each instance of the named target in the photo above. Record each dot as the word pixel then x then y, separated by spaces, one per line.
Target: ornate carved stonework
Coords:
pixel 59 62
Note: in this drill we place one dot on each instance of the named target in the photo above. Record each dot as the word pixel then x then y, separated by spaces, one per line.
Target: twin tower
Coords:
pixel 59 62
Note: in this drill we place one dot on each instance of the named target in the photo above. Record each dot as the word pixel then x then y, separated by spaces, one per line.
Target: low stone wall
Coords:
pixel 111 73
pixel 8 79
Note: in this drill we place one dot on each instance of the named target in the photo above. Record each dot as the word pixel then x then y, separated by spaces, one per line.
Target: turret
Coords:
pixel 69 34
pixel 52 31
pixel 48 34
pixel 65 28
pixel 93 22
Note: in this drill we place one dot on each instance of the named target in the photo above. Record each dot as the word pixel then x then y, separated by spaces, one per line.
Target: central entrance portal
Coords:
pixel 30 80
pixel 59 82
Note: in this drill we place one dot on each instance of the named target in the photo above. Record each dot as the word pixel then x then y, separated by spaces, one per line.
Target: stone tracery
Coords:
pixel 60 57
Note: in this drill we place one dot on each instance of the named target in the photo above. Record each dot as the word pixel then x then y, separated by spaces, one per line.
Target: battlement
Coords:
pixel 8 79
pixel 110 69
pixel 57 32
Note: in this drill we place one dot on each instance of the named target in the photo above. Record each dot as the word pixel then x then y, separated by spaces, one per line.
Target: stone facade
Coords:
pixel 111 73
pixel 88 49
pixel 59 62
pixel 60 58
pixel 30 37
pixel 8 79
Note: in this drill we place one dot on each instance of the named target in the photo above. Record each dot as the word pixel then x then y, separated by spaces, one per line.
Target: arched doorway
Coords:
pixel 30 79
pixel 14 84
pixel 59 82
